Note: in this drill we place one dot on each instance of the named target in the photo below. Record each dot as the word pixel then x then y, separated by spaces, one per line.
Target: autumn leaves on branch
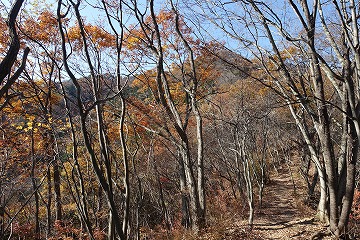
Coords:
pixel 138 121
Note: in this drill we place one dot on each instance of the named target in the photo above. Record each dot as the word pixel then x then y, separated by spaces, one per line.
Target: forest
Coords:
pixel 217 119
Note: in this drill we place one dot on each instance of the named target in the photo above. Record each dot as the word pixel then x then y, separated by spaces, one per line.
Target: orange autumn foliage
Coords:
pixel 43 28
pixel 4 36
pixel 97 36
pixel 138 38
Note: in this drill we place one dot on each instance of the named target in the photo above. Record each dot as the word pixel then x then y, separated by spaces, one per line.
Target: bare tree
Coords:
pixel 316 71
pixel 191 182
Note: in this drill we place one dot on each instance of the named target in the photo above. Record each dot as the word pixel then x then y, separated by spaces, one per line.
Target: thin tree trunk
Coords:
pixel 35 187
pixel 80 198
pixel 200 166
pixel 48 204
pixel 111 227
pixel 126 169
pixel 56 177
pixel 246 173
pixel 191 187
pixel 186 217
pixel 162 202
pixel 9 59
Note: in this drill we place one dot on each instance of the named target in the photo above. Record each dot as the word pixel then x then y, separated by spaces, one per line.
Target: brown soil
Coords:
pixel 283 216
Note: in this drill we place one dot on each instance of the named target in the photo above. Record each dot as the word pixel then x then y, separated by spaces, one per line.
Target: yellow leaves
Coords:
pixel 29 126
pixel 145 83
pixel 30 117
pixel 177 92
pixel 47 19
pixel 132 42
pixel 74 33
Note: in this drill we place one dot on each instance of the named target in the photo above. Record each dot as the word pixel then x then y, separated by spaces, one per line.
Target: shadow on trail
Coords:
pixel 281 216
pixel 279 208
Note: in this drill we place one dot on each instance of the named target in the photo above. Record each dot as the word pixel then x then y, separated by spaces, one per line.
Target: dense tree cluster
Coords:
pixel 133 120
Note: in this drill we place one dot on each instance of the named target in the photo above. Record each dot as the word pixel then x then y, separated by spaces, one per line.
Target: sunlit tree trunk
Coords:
pixel 244 157
pixel 192 86
pixel 185 214
pixel 49 204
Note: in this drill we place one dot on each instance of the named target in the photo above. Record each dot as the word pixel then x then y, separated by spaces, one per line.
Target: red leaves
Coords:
pixel 24 231
pixel 355 214
pixel 67 230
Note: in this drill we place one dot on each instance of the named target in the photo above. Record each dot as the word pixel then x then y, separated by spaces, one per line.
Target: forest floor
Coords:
pixel 284 214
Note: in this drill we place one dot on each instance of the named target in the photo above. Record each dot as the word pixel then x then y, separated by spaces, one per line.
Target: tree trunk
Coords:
pixel 9 60
pixel 104 179
pixel 126 168
pixel 48 204
pixel 185 213
pixel 111 227
pixel 191 187
pixel 200 166
pixel 350 169
pixel 247 176
pixel 56 177
pixel 34 183
pixel 322 209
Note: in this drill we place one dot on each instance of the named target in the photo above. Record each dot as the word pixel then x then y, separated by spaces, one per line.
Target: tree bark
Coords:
pixel 35 188
pixel 105 180
pixel 185 214
pixel 48 204
pixel 10 57
pixel 56 177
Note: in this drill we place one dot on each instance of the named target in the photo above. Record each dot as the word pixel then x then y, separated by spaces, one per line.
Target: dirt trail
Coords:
pixel 284 215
